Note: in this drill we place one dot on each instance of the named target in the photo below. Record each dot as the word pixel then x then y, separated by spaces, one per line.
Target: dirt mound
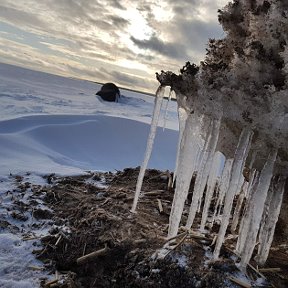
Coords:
pixel 97 242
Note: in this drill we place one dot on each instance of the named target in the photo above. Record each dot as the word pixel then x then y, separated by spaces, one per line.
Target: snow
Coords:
pixel 51 124
pixel 73 130
pixel 15 258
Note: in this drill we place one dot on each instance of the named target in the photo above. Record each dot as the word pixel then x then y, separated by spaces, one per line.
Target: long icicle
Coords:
pixel 236 173
pixel 210 189
pixel 166 109
pixel 223 187
pixel 238 207
pixel 150 142
pixel 270 218
pixel 186 167
pixel 182 116
pixel 258 201
pixel 244 221
pixel 203 172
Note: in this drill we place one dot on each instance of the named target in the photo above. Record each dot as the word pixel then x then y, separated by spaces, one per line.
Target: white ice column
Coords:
pixel 150 142
pixel 211 183
pixel 182 116
pixel 166 109
pixel 204 169
pixel 270 218
pixel 244 224
pixel 188 155
pixel 223 187
pixel 238 207
pixel 236 173
pixel 257 206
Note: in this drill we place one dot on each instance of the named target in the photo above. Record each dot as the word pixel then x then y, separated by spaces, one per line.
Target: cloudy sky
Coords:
pixel 121 41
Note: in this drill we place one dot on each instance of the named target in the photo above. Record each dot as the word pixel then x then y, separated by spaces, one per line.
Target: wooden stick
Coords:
pixel 170 181
pixel 30 238
pixel 51 282
pixel 84 249
pixel 239 282
pixel 177 245
pixel 267 270
pixel 36 268
pixel 199 237
pixel 91 256
pixel 138 241
pixel 154 192
pixel 177 236
pixel 180 242
pixel 160 206
pixel 214 240
pixel 58 240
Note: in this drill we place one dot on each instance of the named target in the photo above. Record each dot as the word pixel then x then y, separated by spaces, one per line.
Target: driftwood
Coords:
pixel 86 258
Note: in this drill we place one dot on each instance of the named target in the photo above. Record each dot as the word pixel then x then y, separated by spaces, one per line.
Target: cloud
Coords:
pixel 85 35
pixel 157 45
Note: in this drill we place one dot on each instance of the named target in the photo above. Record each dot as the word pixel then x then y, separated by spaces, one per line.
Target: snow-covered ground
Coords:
pixel 51 124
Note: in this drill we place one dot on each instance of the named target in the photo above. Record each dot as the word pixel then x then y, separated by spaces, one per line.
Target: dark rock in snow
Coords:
pixel 109 92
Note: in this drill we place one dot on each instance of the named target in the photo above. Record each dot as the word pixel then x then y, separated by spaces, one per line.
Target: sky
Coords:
pixel 118 41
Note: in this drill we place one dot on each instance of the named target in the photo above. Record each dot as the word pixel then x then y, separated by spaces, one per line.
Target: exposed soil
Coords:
pixel 92 213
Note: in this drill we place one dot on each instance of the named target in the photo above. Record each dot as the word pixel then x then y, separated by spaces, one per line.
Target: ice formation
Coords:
pixel 235 178
pixel 235 102
pixel 187 160
pixel 150 142
pixel 222 188
pixel 211 185
pixel 270 217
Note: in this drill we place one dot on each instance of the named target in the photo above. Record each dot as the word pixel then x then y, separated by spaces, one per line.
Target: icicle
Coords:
pixel 252 175
pixel 201 161
pixel 236 173
pixel 166 109
pixel 186 167
pixel 210 188
pixel 238 207
pixel 203 172
pixel 244 221
pixel 150 142
pixel 223 187
pixel 254 154
pixel 182 116
pixel 258 201
pixel 273 203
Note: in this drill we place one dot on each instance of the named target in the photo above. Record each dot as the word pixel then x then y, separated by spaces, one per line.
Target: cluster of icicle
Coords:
pixel 258 195
pixel 263 192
